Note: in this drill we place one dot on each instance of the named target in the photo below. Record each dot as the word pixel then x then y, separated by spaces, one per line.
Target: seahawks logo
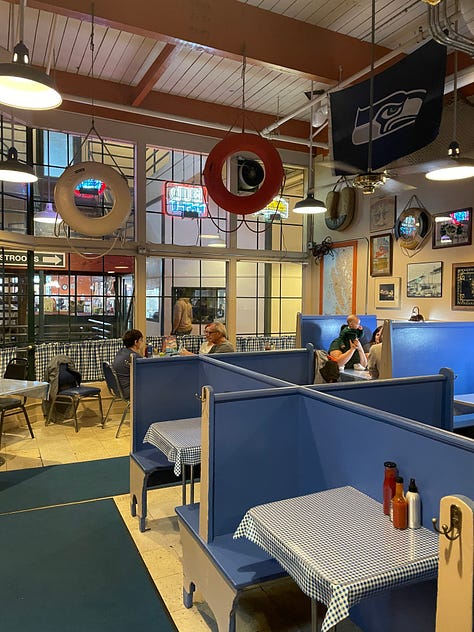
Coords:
pixel 395 111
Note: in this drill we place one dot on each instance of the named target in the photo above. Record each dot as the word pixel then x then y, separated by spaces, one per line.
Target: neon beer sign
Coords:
pixel 184 200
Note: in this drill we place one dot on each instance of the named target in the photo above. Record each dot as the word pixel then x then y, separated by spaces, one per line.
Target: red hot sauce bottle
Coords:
pixel 389 485
pixel 399 506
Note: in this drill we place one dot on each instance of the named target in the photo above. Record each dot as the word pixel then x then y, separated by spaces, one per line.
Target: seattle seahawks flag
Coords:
pixel 407 107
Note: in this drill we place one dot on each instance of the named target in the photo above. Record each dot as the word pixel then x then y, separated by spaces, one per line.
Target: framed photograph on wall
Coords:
pixel 387 293
pixel 453 228
pixel 463 286
pixel 424 280
pixel 382 213
pixel 381 255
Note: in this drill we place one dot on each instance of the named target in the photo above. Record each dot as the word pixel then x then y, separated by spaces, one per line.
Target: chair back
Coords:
pixel 112 381
pixel 68 378
pixel 17 369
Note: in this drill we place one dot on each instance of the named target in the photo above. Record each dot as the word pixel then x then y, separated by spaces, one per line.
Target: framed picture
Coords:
pixel 424 280
pixel 338 279
pixel 463 286
pixel 387 293
pixel 382 213
pixel 453 228
pixel 381 255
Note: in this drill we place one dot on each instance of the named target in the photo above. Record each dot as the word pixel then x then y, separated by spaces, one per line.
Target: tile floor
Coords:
pixel 279 607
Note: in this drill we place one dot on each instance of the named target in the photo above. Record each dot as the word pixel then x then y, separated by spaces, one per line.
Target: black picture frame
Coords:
pixel 452 228
pixel 463 286
pixel 381 255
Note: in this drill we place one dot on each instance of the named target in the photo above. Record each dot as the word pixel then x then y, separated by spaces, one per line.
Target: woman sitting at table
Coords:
pixel 374 357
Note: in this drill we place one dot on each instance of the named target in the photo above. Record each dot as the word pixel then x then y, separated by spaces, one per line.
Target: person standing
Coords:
pixel 182 317
pixel 133 345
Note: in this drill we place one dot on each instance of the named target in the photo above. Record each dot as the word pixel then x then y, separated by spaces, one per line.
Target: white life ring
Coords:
pixel 73 217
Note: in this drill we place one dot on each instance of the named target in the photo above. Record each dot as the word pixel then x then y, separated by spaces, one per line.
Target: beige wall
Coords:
pixel 437 198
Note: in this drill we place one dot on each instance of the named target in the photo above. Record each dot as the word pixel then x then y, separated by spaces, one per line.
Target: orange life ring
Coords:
pixel 234 144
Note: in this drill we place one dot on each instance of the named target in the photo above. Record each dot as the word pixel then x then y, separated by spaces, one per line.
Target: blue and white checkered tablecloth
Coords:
pixel 179 440
pixel 339 547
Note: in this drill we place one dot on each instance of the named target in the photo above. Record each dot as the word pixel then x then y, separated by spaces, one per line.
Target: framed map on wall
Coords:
pixel 338 274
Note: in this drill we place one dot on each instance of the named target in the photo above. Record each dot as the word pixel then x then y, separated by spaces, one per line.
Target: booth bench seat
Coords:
pixel 222 569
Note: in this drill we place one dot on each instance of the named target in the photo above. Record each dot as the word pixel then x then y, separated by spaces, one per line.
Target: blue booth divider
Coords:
pixel 294 441
pixel 420 348
pixel 295 366
pixel 428 398
pixel 320 331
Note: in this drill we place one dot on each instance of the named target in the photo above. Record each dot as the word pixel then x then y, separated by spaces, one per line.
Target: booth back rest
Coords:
pixel 428 399
pixel 347 444
pixel 320 331
pixel 419 348
pixel 295 366
pixel 264 446
pixel 170 388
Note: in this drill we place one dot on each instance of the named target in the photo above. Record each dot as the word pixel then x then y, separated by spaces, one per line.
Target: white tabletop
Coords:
pixel 179 440
pixel 28 388
pixel 350 375
pixel 339 547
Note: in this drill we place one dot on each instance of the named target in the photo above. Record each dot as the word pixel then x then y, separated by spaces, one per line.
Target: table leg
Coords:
pixel 183 478
pixel 316 616
pixel 191 485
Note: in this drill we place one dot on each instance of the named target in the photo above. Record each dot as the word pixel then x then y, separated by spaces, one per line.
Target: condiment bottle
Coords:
pixel 389 485
pixel 414 506
pixel 399 506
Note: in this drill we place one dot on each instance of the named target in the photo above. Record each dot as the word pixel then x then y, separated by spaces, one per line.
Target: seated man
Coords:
pixel 133 345
pixel 347 349
pixel 216 335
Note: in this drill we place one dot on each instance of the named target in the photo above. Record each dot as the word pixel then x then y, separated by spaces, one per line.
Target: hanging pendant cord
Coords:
pixel 371 87
pixel 91 46
pixel 244 67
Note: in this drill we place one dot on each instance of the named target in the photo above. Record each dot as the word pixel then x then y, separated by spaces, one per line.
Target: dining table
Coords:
pixel 180 442
pixel 25 388
pixel 464 403
pixel 340 548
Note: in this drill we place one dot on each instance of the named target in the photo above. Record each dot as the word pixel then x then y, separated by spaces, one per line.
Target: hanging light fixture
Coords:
pixel 47 216
pixel 457 168
pixel 21 85
pixel 12 170
pixel 310 205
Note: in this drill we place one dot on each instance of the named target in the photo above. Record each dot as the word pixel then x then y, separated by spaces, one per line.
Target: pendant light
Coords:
pixel 48 215
pixel 21 85
pixel 310 206
pixel 457 168
pixel 12 170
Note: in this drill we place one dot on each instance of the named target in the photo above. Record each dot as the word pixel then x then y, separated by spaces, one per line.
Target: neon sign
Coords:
pixel 90 188
pixel 184 200
pixel 277 209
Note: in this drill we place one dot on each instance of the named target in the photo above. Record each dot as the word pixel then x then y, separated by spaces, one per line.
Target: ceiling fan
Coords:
pixel 369 181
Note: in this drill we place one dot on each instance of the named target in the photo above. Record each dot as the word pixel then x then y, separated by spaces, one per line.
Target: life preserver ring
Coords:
pixel 73 217
pixel 236 144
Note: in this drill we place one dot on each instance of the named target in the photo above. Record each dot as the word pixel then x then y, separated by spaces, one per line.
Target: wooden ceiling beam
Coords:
pixel 158 67
pixel 231 29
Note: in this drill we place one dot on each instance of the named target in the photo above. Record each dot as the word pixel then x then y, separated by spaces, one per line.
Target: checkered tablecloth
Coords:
pixel 179 440
pixel 339 547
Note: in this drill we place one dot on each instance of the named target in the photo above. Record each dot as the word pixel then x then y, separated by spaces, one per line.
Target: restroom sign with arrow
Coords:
pixel 18 258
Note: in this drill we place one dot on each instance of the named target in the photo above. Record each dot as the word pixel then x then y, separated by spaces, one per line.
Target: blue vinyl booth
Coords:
pixel 421 348
pixel 324 442
pixel 320 331
pixel 295 366
pixel 170 388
